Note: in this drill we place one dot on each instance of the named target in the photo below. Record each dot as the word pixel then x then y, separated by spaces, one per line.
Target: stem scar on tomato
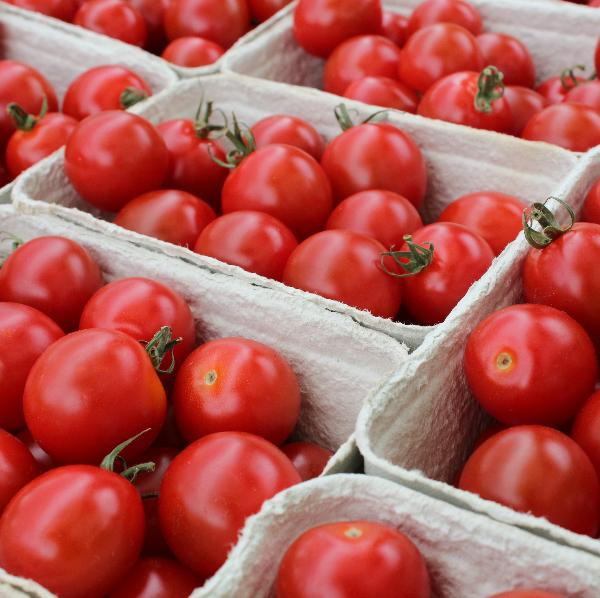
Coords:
pixel 210 377
pixel 551 228
pixel 505 361
pixel 413 261
pixel 353 532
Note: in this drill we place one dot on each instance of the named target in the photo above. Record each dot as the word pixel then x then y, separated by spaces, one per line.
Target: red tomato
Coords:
pixel 153 12
pixel 597 57
pixel 510 56
pixel 538 470
pixel 90 391
pixel 17 467
pixel 352 559
pixel 59 9
pixel 586 429
pixel 210 489
pixel 261 10
pixel 26 333
pixel 436 51
pixel 523 104
pixel 254 241
pixel 383 91
pixel 220 21
pixel 395 27
pixel 375 156
pixel 52 274
pixel 113 156
pixel 283 181
pixel 382 215
pixel 41 457
pixel 114 18
pixel 170 435
pixel 445 11
pixel 587 93
pixel 110 87
pixel 495 216
pixel 591 207
pixel 511 362
pixel 309 459
pixel 76 530
pixel 528 594
pixel 345 266
pixel 556 88
pixel 192 52
pixel 174 216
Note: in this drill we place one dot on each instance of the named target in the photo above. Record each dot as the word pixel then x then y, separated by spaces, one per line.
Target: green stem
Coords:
pixel 108 463
pixel 342 115
pixel 159 345
pixel 22 119
pixel 202 125
pixel 132 472
pixel 131 96
pixel 551 228
pixel 568 78
pixel 490 87
pixel 413 261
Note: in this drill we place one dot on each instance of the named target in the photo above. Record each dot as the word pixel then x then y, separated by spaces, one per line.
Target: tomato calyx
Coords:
pixel 131 96
pixel 342 115
pixel 413 261
pixel 551 228
pixel 490 87
pixel 22 119
pixel 243 142
pixel 129 473
pixel 159 345
pixel 202 121
pixel 568 78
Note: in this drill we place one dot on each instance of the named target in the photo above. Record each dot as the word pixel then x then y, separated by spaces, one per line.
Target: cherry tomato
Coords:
pixel 254 241
pixel 352 559
pixel 591 207
pixel 345 266
pixel 283 181
pixel 261 10
pixel 382 215
pixel 495 216
pixel 174 216
pixel 220 21
pixel 556 88
pixel 383 91
pixel 110 87
pixel 90 391
pixel 587 93
pixel 59 9
pixel 586 429
pixel 209 490
pixel 375 156
pixel 320 26
pixel 41 457
pixel 76 530
pixel 114 18
pixel 17 467
pixel 538 470
pixel 289 130
pixel 528 594
pixel 192 52
pixel 395 27
pixel 26 333
pixel 153 12
pixel 597 57
pixel 445 11
pixel 113 156
pixel 510 56
pixel 523 104
pixel 511 362
pixel 170 435
pixel 52 274
pixel 309 459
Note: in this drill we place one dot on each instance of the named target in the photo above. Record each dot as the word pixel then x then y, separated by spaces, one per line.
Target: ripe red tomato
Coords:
pixel 261 10
pixel 528 594
pixel 41 457
pixel 174 216
pixel 556 88
pixel 59 9
pixel 308 458
pixel 52 274
pixel 320 26
pixel 591 207
pixel 586 429
pixel 511 362
pixel 110 87
pixel 382 215
pixel 114 156
pixel 153 12
pixel 76 530
pixel 255 241
pixel 495 216
pixel 395 27
pixel 445 11
pixel 283 181
pixel 17 467
pixel 383 91
pixel 192 51
pixel 345 266
pixel 538 470
pixel 587 93
pixel 209 490
pixel 352 558
pixel 523 104
pixel 510 56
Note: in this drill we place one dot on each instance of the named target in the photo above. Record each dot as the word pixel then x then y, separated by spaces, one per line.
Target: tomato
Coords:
pixel 113 156
pixel 395 27
pixel 309 459
pixel 445 11
pixel 289 130
pixel 495 216
pixel 110 87
pixel 254 241
pixel 153 12
pixel 591 207
pixel 345 266
pixel 282 181
pixel 52 274
pixel 383 91
pixel 170 436
pixel 156 578
pixel 90 391
pixel 597 57
pixel 209 490
pixel 320 26
pixel 114 18
pixel 523 104
pixel 538 470
pixel 587 93
pixel 556 88
pixel 59 9
pixel 585 430
pixel 174 216
pixel 510 56
pixel 26 333
pixel 375 156
pixel 76 530
pixel 17 467
pixel 220 21
pixel 352 559
pixel 382 215
pixel 192 52
pixel 360 57
pixel 511 362
pixel 528 594
pixel 42 458
pixel 261 10
pixel 460 258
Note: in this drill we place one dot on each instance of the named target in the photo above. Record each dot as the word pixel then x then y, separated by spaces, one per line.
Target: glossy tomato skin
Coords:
pixel 236 384
pixel 523 103
pixel 510 56
pixel 333 560
pixel 209 490
pixel 52 274
pixel 445 11
pixel 345 266
pixel 591 207
pixel 383 91
pixel 261 10
pixel 42 458
pixel 555 91
pixel 587 93
pixel 46 531
pixel 26 334
pixel 497 217
pixel 538 470
pixel 282 181
pixel 114 156
pixel 78 385
pixel 586 429
pixel 320 26
pixel 59 9
pixel 510 364
pixel 153 12
pixel 192 51
pixel 528 594
pixel 17 467
pixel 375 156
pixel 308 458
pixel 254 241
pixel 395 27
